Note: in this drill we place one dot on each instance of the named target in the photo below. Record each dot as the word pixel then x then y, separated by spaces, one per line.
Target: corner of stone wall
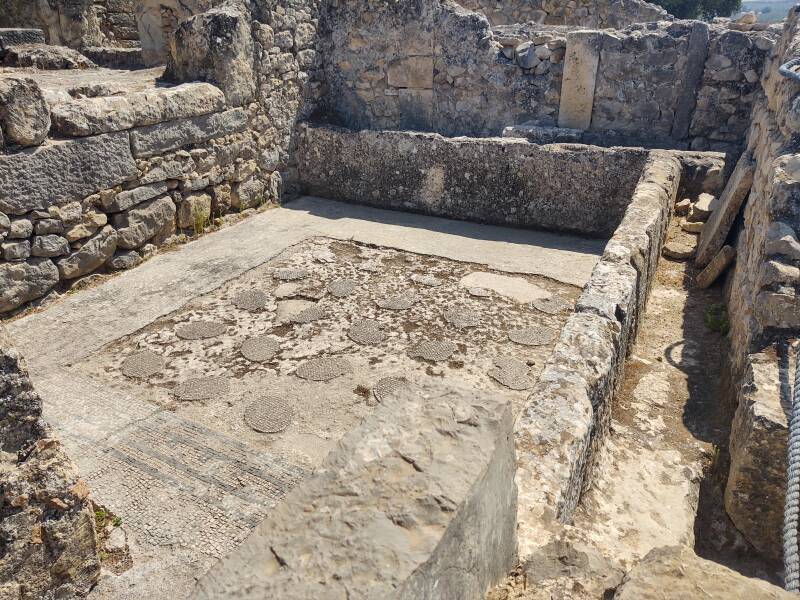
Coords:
pixel 567 413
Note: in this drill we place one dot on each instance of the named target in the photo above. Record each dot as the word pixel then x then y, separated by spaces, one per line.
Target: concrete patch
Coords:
pixel 516 288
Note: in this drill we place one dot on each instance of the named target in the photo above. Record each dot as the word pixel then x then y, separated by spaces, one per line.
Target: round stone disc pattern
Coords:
pixel 462 317
pixel 397 302
pixel 309 315
pixel 200 330
pixel 340 288
pixel 201 388
pixel 250 300
pixel 366 332
pixel 533 336
pixel 323 368
pixel 269 414
pixel 428 280
pixel 552 305
pixel 260 348
pixel 142 364
pixel 387 386
pixel 433 350
pixel 289 274
pixel 511 373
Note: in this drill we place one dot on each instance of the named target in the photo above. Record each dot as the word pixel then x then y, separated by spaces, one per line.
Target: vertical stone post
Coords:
pixel 580 77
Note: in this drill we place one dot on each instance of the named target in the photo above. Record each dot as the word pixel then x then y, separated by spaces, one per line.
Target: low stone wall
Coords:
pixel 47 530
pixel 582 189
pixel 417 502
pixel 596 14
pixel 567 413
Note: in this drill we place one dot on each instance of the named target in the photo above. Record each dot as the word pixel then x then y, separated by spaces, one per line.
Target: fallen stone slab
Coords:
pixel 163 137
pixel 755 491
pixel 700 210
pixel 64 171
pixel 678 250
pixel 91 116
pixel 730 202
pixel 677 573
pixel 21 282
pixel 716 267
pixel 417 500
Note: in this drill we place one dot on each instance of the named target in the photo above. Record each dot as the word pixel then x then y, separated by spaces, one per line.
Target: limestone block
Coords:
pixel 676 572
pixel 216 46
pixel 69 214
pixel 730 203
pixel 19 229
pixel 126 259
pixel 716 267
pixel 411 72
pixel 49 245
pixel 195 208
pixel 579 79
pixel 97 250
pixel 174 166
pixel 45 57
pixel 22 282
pixel 157 21
pixel 781 239
pixel 393 489
pixel 64 171
pixel 144 221
pixel 48 226
pixel 13 37
pixel 773 271
pixel 130 198
pixel 24 113
pixel 91 116
pixel 248 194
pixel 163 137
pixel 755 490
pixel 16 250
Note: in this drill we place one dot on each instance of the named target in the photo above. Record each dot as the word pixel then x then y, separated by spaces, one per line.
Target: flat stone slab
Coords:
pixel 91 116
pixel 393 492
pixel 64 171
pixel 515 288
pixel 163 137
pixel 730 203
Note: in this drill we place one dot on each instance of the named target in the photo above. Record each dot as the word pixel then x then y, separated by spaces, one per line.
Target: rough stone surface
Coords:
pixel 24 113
pixel 130 198
pixel 716 267
pixel 730 203
pixel 50 548
pixel 580 77
pixel 194 212
pixel 757 477
pixel 142 222
pixel 91 255
pixel 49 245
pixel 677 572
pixel 434 520
pixel 92 116
pixel 171 135
pixel 43 56
pixel 25 281
pixel 47 176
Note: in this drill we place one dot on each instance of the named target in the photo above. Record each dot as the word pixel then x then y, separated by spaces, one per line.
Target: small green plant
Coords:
pixel 716 319
pixel 116 521
pixel 100 517
pixel 202 219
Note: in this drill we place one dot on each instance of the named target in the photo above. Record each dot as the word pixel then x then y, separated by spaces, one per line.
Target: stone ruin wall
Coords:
pixel 460 77
pixel 171 158
pixel 605 14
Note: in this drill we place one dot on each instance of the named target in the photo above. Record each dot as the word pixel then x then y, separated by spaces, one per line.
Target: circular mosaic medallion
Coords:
pixel 366 331
pixel 428 280
pixel 200 330
pixel 387 386
pixel 397 302
pixel 462 317
pixel 289 274
pixel 260 348
pixel 511 373
pixel 323 369
pixel 341 287
pixel 201 388
pixel 142 364
pixel 269 414
pixel 308 315
pixel 433 350
pixel 552 305
pixel 250 300
pixel 533 336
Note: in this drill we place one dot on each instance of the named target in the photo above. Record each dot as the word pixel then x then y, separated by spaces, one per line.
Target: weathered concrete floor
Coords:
pixel 665 422
pixel 188 480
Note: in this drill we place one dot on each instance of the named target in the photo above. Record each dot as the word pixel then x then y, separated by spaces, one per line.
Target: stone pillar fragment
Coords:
pixel 580 77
